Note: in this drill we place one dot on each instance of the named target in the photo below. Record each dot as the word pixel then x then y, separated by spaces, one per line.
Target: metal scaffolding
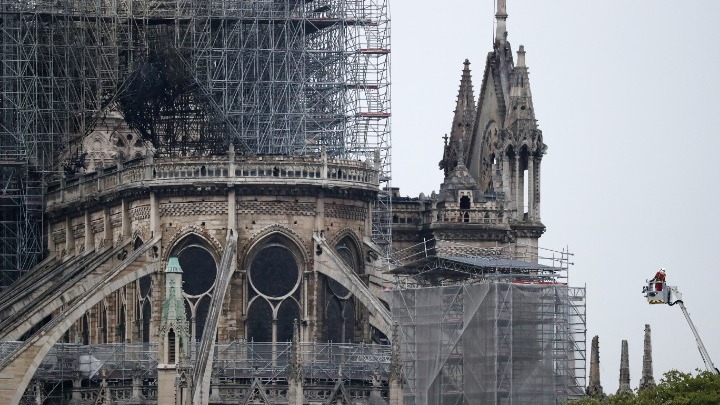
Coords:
pixel 492 343
pixel 190 77
pixel 479 325
pixel 73 373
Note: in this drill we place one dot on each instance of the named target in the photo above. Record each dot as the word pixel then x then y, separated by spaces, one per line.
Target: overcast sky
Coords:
pixel 625 93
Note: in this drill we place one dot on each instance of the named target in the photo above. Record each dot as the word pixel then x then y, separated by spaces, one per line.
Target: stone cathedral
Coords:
pixel 228 277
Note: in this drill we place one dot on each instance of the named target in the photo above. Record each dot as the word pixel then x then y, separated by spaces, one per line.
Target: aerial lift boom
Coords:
pixel 658 292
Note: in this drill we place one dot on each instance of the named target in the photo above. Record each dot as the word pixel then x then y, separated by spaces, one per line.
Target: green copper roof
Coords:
pixel 173 266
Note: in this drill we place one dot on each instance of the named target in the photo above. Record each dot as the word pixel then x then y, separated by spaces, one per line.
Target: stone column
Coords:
pixel 154 215
pixel 531 188
pixel 647 381
pixel 320 204
pixel 125 215
pixel 594 388
pixel 77 385
pixel 536 192
pixel 506 187
pixel 107 228
pixel 89 235
pixel 624 386
pixel 137 385
pixel 232 211
pixel 215 386
pixel 69 237
pixel 517 188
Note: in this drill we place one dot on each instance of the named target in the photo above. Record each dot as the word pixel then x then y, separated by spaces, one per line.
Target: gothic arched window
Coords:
pixel 199 267
pixel 274 292
pixel 340 308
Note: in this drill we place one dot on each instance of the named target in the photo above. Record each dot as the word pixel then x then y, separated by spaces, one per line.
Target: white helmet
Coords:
pixel 662 270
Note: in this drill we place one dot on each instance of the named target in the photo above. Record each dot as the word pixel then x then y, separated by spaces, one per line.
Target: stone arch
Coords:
pixel 259 237
pixel 26 362
pixel 509 150
pixel 524 154
pixel 198 231
pixel 349 235
pixel 200 259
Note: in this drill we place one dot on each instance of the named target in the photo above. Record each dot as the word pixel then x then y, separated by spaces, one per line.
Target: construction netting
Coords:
pixel 492 343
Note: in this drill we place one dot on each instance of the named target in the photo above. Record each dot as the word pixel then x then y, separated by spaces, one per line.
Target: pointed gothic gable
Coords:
pixel 256 394
pixel 490 115
pixel 339 395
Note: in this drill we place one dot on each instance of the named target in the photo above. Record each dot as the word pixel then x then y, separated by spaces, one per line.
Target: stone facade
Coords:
pixel 490 196
pixel 294 222
pixel 276 252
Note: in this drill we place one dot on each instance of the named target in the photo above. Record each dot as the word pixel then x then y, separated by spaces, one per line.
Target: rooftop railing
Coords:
pixel 267 170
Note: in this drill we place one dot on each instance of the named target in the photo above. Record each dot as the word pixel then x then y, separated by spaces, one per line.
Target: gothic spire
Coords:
pixel 647 380
pixel 464 108
pixel 462 121
pixel 594 389
pixel 624 386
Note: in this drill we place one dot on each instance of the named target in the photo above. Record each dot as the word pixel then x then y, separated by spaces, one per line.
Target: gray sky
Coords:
pixel 624 92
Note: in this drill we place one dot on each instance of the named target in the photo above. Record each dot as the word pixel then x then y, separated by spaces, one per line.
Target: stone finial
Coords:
pixel 647 381
pixel 594 388
pixel 521 56
pixel 500 19
pixel 624 386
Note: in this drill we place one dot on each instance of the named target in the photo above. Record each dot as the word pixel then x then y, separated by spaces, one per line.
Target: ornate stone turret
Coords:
pixel 459 188
pixel 174 335
pixel 624 386
pixel 647 381
pixel 594 388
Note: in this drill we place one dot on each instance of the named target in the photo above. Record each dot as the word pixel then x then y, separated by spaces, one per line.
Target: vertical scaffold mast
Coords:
pixel 290 77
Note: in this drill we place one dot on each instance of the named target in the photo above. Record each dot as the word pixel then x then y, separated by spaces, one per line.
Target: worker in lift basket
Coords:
pixel 659 279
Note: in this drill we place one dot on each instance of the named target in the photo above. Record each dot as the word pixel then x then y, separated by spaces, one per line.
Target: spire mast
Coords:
pixel 500 20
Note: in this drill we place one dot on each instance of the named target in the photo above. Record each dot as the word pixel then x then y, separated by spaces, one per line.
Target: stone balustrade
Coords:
pixel 262 170
pixel 470 216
